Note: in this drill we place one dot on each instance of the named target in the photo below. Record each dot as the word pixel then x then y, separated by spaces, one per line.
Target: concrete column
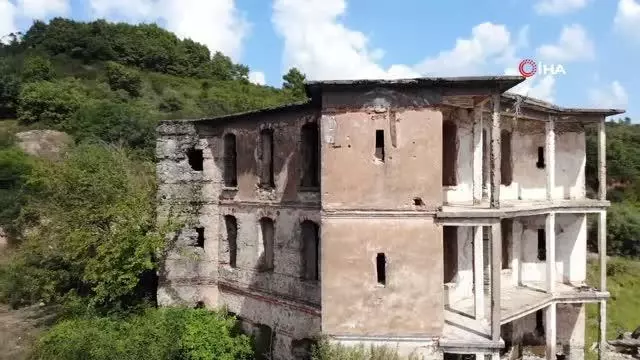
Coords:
pixel 550 233
pixel 602 337
pixel 602 161
pixel 477 154
pixel 550 331
pixel 550 151
pixel 602 249
pixel 495 356
pixel 494 160
pixel 496 258
pixel 478 276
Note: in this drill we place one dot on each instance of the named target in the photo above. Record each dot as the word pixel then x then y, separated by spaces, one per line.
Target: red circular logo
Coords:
pixel 527 67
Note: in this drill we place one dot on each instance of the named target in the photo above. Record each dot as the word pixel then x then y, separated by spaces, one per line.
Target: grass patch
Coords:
pixel 623 282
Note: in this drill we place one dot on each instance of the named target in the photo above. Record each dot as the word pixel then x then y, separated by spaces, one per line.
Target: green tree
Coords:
pixel 294 82
pixel 9 90
pixel 37 68
pixel 92 230
pixel 121 78
pixel 113 122
pixel 48 102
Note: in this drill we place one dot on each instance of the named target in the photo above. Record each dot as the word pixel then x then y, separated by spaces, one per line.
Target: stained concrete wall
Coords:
pixel 353 303
pixel 521 333
pixel 279 299
pixel 571 249
pixel 529 181
pixel 413 155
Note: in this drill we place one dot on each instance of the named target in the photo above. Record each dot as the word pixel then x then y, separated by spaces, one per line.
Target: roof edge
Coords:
pixel 547 106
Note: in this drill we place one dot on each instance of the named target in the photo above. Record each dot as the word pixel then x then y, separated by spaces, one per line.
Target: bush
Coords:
pixel 325 350
pixel 15 167
pixel 177 333
pixel 36 69
pixel 92 231
pixel 623 230
pixel 121 78
pixel 117 123
pixel 49 103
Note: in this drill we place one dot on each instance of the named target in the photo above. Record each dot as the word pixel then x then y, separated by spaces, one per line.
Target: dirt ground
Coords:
pixel 19 329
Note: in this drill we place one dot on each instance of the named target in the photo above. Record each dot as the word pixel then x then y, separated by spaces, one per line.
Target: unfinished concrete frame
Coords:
pixel 567 216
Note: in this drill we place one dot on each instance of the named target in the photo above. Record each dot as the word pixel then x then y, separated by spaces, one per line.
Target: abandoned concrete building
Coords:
pixel 438 216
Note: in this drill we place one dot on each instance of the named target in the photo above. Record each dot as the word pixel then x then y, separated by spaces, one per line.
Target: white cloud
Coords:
pixel 8 25
pixel 557 7
pixel 539 87
pixel 627 19
pixel 215 23
pixel 321 46
pixel 488 42
pixel 572 45
pixel 131 10
pixel 613 96
pixel 11 13
pixel 40 9
pixel 257 77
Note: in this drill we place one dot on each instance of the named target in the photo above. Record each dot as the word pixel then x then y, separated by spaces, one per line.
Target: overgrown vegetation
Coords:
pixel 177 333
pixel 325 350
pixel 82 226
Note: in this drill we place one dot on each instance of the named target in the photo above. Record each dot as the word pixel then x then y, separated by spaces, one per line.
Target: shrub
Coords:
pixel 49 103
pixel 178 333
pixel 325 350
pixel 121 78
pixel 94 230
pixel 15 167
pixel 623 230
pixel 37 68
pixel 113 122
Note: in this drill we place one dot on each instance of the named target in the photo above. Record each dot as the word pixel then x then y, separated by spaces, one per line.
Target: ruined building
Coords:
pixel 436 216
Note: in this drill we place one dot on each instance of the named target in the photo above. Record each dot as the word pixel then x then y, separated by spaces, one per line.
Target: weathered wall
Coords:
pixel 571 248
pixel 353 303
pixel 570 332
pixel 529 182
pixel 413 154
pixel 278 299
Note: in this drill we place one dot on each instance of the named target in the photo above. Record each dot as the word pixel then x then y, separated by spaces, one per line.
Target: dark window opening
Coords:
pixel 540 322
pixel 268 232
pixel 449 153
pixel 506 169
pixel 507 242
pixel 265 154
pixel 196 159
pixel 380 145
pixel 310 155
pixel 540 164
pixel 263 337
pixel 418 202
pixel 311 250
pixel 200 239
pixel 450 247
pixel 542 245
pixel 231 225
pixel 381 268
pixel 230 161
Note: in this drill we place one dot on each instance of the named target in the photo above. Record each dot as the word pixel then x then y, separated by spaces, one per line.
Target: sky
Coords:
pixel 590 48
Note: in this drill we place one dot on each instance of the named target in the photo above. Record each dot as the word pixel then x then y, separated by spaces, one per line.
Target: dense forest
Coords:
pixel 81 225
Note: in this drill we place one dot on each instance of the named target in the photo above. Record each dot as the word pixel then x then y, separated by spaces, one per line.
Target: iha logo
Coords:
pixel 528 68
